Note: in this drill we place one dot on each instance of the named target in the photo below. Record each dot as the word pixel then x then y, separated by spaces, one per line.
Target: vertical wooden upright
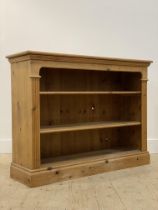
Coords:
pixel 144 109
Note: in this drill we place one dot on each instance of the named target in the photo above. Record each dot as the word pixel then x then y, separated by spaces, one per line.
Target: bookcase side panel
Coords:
pixel 23 149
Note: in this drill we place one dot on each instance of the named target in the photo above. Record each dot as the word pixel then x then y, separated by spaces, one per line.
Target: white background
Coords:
pixel 111 28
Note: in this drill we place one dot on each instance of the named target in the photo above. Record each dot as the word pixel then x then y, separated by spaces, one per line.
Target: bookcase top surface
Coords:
pixel 37 55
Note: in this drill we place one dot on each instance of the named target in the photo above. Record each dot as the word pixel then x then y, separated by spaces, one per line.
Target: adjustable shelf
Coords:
pixel 90 92
pixel 78 116
pixel 86 126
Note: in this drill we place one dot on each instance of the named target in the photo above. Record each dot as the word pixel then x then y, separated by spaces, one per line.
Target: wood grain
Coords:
pixel 90 92
pixel 87 126
pixel 130 189
pixel 70 110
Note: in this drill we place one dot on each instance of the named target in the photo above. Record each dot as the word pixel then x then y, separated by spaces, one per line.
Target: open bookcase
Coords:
pixel 88 111
pixel 76 115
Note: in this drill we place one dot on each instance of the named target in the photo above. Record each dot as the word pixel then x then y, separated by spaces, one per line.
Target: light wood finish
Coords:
pixel 70 160
pixel 89 92
pixel 76 107
pixel 36 55
pixel 25 116
pixel 144 116
pixel 86 126
pixel 51 174
pixel 130 189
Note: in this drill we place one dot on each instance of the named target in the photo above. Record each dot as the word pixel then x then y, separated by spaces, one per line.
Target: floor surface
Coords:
pixel 128 189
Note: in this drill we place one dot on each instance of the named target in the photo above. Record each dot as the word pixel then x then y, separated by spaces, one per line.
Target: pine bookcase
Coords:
pixel 75 116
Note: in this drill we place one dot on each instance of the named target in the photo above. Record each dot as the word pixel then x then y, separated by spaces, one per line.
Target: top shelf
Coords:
pixel 90 92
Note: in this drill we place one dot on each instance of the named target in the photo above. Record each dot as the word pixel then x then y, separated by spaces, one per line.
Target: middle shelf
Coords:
pixel 87 126
pixel 90 92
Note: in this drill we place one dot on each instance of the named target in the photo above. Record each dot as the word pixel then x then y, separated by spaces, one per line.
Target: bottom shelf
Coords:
pixel 80 158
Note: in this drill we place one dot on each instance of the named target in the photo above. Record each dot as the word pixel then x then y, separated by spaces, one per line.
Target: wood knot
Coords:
pixel 34 108
pixel 57 172
pixel 49 168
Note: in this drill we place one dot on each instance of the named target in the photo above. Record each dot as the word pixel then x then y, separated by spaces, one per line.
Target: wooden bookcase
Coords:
pixel 75 116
